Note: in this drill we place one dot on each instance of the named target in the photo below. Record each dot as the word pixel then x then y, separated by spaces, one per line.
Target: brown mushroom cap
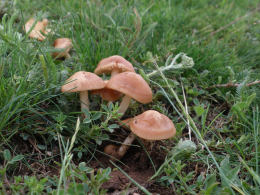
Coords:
pixel 39 28
pixel 62 43
pixel 107 65
pixel 132 85
pixel 108 94
pixel 83 81
pixel 152 125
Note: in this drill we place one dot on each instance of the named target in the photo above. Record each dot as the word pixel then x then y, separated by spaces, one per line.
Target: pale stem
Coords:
pixel 84 102
pixel 125 145
pixel 124 105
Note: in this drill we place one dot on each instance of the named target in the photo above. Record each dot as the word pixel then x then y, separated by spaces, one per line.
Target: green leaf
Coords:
pixel 199 110
pixel 17 158
pixel 87 120
pixel 79 155
pixel 96 116
pixel 250 99
pixel 86 113
pixel 7 155
pixel 41 147
pixel 113 126
pixel 210 189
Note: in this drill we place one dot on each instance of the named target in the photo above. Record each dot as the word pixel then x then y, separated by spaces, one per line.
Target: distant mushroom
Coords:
pixel 114 65
pixel 62 43
pixel 39 28
pixel 133 86
pixel 150 125
pixel 83 82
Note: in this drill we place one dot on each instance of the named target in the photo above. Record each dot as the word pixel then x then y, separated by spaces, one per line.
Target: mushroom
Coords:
pixel 114 65
pixel 62 43
pixel 150 125
pixel 39 28
pixel 133 86
pixel 112 150
pixel 107 94
pixel 83 82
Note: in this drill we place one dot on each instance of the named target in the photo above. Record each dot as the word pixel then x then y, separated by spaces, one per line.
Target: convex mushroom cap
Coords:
pixel 116 64
pixel 132 85
pixel 62 43
pixel 83 81
pixel 152 125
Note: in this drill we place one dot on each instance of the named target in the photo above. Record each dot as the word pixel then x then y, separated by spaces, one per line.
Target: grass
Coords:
pixel 222 37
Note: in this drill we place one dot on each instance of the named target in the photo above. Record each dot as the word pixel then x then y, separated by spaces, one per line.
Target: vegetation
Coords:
pixel 46 147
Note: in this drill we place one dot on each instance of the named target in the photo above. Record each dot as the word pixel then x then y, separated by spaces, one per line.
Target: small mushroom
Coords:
pixel 83 82
pixel 114 65
pixel 62 43
pixel 39 29
pixel 150 125
pixel 112 150
pixel 133 86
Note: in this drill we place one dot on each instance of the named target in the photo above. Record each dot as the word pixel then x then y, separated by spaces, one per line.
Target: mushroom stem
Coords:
pixel 114 72
pixel 84 102
pixel 124 104
pixel 125 145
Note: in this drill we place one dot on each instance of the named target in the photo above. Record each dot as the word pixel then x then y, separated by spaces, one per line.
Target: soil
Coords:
pixel 137 163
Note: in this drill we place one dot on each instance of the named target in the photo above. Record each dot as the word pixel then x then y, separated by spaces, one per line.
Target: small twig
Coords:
pixel 227 85
pixel 186 108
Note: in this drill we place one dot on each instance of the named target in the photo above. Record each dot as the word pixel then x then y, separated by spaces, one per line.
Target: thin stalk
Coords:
pixel 126 144
pixel 84 101
pixel 256 132
pixel 186 108
pixel 67 156
pixel 45 70
pixel 124 104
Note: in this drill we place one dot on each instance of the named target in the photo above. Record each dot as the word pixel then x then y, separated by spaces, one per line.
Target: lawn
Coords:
pixel 46 145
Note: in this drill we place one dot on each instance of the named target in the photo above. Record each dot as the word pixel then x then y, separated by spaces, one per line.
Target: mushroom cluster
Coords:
pixel 38 30
pixel 150 125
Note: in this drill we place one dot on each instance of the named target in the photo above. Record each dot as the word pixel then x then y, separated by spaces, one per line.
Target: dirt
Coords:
pixel 137 163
